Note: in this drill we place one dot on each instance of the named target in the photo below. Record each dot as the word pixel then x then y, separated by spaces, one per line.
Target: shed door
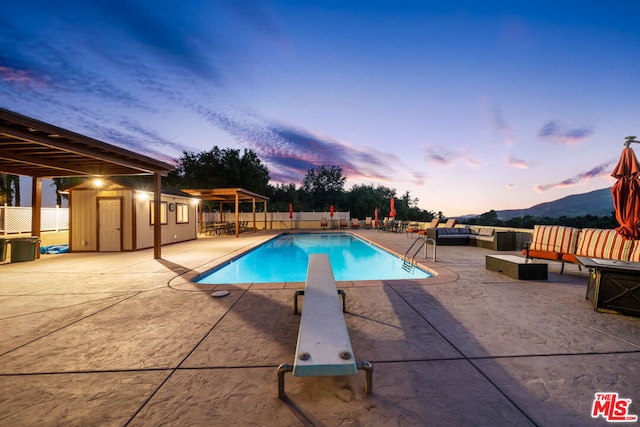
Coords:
pixel 109 225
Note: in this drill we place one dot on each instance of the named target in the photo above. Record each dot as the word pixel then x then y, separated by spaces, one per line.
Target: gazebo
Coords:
pixel 231 195
pixel 40 150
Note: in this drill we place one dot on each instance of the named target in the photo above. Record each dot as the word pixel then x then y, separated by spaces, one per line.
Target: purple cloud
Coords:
pixel 601 170
pixel 559 134
pixel 290 152
pixel 444 157
pixel 501 125
pixel 440 156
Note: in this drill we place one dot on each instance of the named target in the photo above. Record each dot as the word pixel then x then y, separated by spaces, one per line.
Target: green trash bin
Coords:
pixel 3 249
pixel 24 249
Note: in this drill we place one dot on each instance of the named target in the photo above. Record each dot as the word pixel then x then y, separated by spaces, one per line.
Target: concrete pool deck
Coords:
pixel 123 339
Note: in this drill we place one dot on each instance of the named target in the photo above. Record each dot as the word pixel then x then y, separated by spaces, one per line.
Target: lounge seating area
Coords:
pixel 483 237
pixel 564 244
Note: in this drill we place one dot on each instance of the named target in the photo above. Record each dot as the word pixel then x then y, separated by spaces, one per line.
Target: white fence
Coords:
pixel 278 220
pixel 274 216
pixel 16 219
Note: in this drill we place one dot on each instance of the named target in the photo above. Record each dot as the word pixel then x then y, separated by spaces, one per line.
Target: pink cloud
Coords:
pixel 20 77
pixel 517 163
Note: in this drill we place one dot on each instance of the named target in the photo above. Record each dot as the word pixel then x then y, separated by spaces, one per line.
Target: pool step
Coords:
pixel 407 265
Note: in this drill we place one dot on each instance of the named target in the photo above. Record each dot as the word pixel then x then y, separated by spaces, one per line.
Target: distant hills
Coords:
pixel 598 202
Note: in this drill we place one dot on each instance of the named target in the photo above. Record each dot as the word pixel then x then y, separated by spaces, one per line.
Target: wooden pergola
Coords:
pixel 231 195
pixel 40 150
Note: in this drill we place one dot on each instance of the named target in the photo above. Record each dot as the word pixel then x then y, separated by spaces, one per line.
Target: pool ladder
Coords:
pixel 409 264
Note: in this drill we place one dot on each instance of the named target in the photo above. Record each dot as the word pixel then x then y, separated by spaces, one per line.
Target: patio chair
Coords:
pixel 324 223
pixel 355 223
pixel 343 223
pixel 433 224
pixel 383 225
pixel 451 222
pixel 368 223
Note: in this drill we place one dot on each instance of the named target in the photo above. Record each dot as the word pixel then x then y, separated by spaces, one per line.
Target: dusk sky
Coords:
pixel 468 105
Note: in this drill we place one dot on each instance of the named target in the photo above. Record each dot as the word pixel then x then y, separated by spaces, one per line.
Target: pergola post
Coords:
pixel 237 215
pixel 254 215
pixel 157 226
pixel 36 210
pixel 265 214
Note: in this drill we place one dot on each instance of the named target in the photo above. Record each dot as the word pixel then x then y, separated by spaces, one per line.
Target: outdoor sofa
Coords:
pixel 565 244
pixel 483 237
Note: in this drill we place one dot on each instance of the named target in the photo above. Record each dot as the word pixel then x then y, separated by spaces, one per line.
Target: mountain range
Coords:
pixel 598 202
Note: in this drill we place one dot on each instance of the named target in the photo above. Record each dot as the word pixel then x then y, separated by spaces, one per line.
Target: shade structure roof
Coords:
pixel 226 194
pixel 231 195
pixel 41 150
pixel 38 149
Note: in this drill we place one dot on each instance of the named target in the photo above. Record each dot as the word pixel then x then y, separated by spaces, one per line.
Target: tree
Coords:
pixel 362 200
pixel 489 218
pixel 63 183
pixel 282 195
pixel 324 186
pixel 220 169
pixel 10 189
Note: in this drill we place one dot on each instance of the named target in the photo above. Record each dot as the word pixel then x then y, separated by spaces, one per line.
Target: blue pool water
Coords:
pixel 285 259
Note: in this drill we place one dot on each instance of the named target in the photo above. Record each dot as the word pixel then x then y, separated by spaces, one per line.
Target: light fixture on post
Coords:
pixel 629 140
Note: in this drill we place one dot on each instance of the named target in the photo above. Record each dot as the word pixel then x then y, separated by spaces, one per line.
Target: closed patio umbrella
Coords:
pixel 392 205
pixel 375 218
pixel 626 192
pixel 331 210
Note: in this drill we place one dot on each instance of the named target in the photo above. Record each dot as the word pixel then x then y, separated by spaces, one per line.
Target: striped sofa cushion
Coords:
pixel 554 238
pixel 634 253
pixel 599 243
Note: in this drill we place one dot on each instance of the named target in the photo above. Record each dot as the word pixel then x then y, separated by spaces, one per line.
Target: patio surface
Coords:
pixel 123 339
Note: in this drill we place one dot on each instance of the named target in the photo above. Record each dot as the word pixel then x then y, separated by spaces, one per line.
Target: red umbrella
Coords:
pixel 331 209
pixel 626 194
pixel 290 211
pixel 375 216
pixel 392 203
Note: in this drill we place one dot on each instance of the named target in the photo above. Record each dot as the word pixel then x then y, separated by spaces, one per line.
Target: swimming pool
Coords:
pixel 285 259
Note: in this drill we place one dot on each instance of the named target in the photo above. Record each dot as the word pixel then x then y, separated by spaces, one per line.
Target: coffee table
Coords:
pixel 516 267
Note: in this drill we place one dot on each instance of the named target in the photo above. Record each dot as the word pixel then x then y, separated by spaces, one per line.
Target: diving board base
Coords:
pixel 364 366
pixel 324 347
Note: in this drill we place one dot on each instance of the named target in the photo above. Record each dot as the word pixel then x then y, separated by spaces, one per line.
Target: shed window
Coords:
pixel 163 212
pixel 182 213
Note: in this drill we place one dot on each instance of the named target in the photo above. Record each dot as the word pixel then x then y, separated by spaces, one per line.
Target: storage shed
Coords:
pixel 117 215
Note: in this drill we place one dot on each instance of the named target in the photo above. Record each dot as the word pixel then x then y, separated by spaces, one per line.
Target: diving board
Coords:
pixel 324 347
